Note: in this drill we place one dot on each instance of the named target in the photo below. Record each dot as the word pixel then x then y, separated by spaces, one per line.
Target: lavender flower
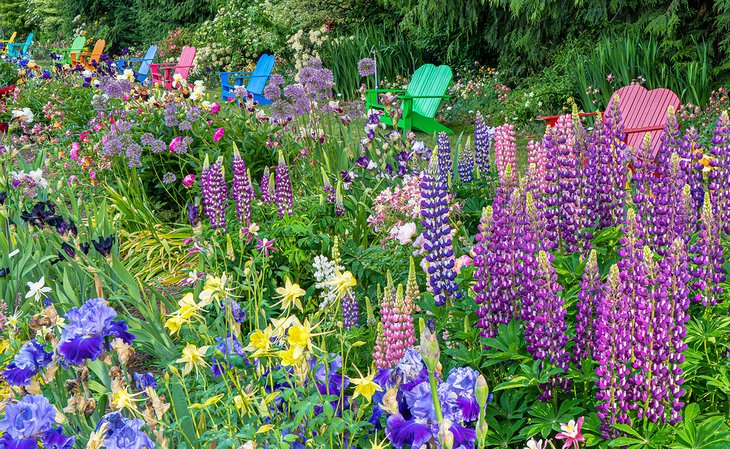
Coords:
pixel 366 67
pixel 707 258
pixel 505 154
pixel 29 360
pixel 444 156
pixel 590 296
pixel 215 193
pixel 267 194
pixel 719 174
pixel 283 194
pixel 169 178
pixel 350 311
pixel 242 191
pixel 466 164
pixel 29 422
pixel 691 152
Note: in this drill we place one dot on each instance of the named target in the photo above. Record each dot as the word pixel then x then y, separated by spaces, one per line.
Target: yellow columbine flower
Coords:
pixel 290 295
pixel 365 386
pixel 290 356
pixel 192 357
pixel 123 399
pixel 215 287
pixel 342 283
pixel 188 310
pixel 281 325
pixel 260 341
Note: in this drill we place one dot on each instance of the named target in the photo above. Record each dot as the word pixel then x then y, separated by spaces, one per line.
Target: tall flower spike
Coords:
pixel 466 163
pixel 505 153
pixel 481 145
pixel 611 178
pixel 412 291
pixel 329 191
pixel 444 156
pixel 707 258
pixel 243 192
pixel 590 296
pixel 284 195
pixel 719 175
pixel 350 310
pixel 691 152
pixel 536 155
pixel 589 200
pixel 205 191
pixel 215 194
pixel 437 235
pixel 482 273
pixel 267 195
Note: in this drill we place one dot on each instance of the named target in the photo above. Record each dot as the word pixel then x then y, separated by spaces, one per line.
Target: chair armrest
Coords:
pixel 644 129
pixel 251 76
pixel 231 73
pixel 379 91
pixel 408 97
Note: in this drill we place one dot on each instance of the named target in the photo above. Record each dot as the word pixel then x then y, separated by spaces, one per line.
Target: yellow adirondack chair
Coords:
pixel 5 42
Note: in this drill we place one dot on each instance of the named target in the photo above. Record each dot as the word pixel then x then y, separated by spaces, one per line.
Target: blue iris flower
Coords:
pixel 27 363
pixel 123 433
pixel 29 422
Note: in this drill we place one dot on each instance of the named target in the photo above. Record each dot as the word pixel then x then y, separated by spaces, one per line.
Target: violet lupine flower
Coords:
pixel 28 424
pixel 119 432
pixel 444 156
pixel 28 362
pixel 590 198
pixel 691 152
pixel 611 177
pixel 214 191
pixel 551 193
pixel 643 183
pixel 350 311
pixel 397 333
pixel 437 234
pixel 267 194
pixel 482 274
pixel 536 155
pixel 613 355
pixel 707 259
pixel 466 164
pixel 88 328
pixel 366 67
pixel 719 174
pixel 242 191
pixel 505 153
pixel 569 176
pixel 590 296
pixel 481 144
pixel 545 330
pixel 283 193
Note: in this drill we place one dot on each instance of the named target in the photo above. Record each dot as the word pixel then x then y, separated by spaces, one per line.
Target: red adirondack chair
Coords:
pixel 642 111
pixel 163 73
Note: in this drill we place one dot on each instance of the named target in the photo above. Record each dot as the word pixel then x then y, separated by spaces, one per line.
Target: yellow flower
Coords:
pixel 4 345
pixel 192 357
pixel 342 283
pixel 365 387
pixel 123 399
pixel 290 295
pixel 281 325
pixel 215 287
pixel 290 357
pixel 188 310
pixel 260 341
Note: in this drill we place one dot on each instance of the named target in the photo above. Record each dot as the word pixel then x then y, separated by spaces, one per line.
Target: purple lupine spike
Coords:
pixel 590 296
pixel 267 196
pixel 437 234
pixel 551 198
pixel 707 259
pixel 350 311
pixel 242 191
pixel 205 192
pixel 674 275
pixel 466 164
pixel 612 356
pixel 719 174
pixel 545 331
pixel 327 188
pixel 481 144
pixel 536 156
pixel 643 183
pixel 589 200
pixel 691 152
pixel 482 275
pixel 669 144
pixel 216 195
pixel 505 154
pixel 611 179
pixel 283 194
pixel 444 156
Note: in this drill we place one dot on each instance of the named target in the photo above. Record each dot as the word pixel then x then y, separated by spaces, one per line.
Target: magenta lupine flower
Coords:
pixel 719 175
pixel 590 296
pixel 505 153
pixel 482 275
pixel 396 333
pixel 444 156
pixel 215 194
pixel 589 200
pixel 536 156
pixel 242 191
pixel 437 235
pixel 283 194
pixel 267 196
pixel 707 259
pixel 218 134
pixel 481 145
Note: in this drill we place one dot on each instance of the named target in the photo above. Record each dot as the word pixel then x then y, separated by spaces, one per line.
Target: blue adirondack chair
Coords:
pixel 144 67
pixel 20 48
pixel 257 80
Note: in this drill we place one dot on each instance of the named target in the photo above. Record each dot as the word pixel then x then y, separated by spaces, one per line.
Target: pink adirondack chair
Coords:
pixel 163 73
pixel 642 111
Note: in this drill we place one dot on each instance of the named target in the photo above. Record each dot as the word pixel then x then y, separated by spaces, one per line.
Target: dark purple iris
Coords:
pixel 27 363
pixel 103 245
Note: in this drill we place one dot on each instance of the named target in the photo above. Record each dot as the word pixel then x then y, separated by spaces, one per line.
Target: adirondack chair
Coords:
pixel 642 111
pixel 20 48
pixel 144 67
pixel 257 80
pixel 85 58
pixel 5 42
pixel 182 67
pixel 77 46
pixel 420 101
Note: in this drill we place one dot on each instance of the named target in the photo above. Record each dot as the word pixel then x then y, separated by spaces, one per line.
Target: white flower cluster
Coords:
pixel 325 272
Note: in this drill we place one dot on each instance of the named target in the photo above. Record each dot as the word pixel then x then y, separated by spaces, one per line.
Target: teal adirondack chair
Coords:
pixel 20 48
pixel 257 80
pixel 77 46
pixel 420 101
pixel 144 67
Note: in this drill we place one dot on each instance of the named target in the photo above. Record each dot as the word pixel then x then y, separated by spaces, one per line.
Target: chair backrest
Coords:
pixel 144 67
pixel 641 108
pixel 98 50
pixel 27 43
pixel 186 61
pixel 429 80
pixel 260 75
pixel 12 37
pixel 77 45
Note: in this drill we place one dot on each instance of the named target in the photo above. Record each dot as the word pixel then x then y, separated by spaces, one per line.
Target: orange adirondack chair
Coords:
pixel 84 58
pixel 182 67
pixel 642 111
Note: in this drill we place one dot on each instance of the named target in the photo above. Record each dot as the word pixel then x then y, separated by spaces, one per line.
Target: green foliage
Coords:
pixel 12 17
pixel 8 74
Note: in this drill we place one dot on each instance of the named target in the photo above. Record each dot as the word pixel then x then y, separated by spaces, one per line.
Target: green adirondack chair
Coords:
pixel 420 101
pixel 77 46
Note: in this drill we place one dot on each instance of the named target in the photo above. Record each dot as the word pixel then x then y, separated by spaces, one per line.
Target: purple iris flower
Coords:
pixel 142 381
pixel 123 433
pixel 29 422
pixel 348 177
pixel 239 315
pixel 88 328
pixel 27 363
pixel 366 163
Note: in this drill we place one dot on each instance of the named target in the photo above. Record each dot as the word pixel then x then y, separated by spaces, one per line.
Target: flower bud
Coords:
pixel 481 391
pixel 446 437
pixel 430 352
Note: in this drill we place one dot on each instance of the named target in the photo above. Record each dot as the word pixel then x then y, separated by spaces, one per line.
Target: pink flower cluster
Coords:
pixel 397 333
pixel 505 153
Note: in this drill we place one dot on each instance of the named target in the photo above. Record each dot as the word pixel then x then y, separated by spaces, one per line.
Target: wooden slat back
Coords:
pixel 144 67
pixel 641 108
pixel 186 61
pixel 98 50
pixel 260 74
pixel 77 46
pixel 429 80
